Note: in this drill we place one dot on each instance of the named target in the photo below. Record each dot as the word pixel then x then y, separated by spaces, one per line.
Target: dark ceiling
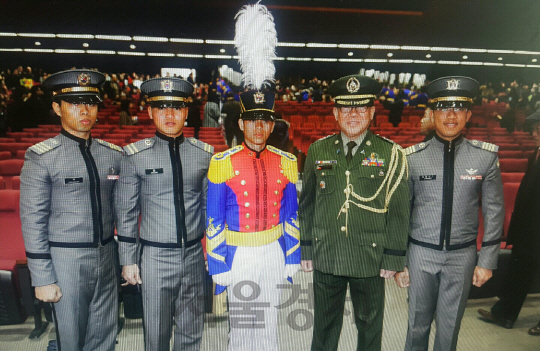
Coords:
pixel 495 24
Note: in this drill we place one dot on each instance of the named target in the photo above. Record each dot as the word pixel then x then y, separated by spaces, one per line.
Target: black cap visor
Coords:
pixel 89 99
pixel 258 115
pixel 168 104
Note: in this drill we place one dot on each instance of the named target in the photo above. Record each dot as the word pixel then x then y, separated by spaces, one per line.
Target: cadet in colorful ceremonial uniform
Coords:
pixel 252 229
pixel 67 217
pixel 163 181
pixel 354 215
pixel 447 175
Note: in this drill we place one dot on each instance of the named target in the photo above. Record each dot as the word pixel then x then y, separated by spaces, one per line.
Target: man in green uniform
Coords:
pixel 354 215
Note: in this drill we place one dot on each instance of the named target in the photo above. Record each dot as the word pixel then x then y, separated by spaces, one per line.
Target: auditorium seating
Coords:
pixel 513 165
pixel 13 147
pixel 512 177
pixel 510 191
pixel 10 169
pixel 5 155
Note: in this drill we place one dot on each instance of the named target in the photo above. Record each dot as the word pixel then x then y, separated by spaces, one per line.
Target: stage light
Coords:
pixel 294 45
pixel 350 60
pixel 160 54
pixel 321 45
pixel 298 59
pixel 156 39
pixel 131 53
pixel 183 40
pixel 218 56
pixel 437 48
pixel 419 48
pixel 39 50
pixel 36 35
pixel 353 46
pixel 385 47
pixel 220 42
pixel 101 52
pixel 113 37
pixel 69 51
pixel 190 55
pixel 75 36
pixel 376 60
pixel 322 59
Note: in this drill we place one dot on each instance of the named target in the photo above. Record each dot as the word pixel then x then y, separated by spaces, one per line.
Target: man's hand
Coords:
pixel 481 275
pixel 48 293
pixel 402 278
pixel 387 274
pixel 307 266
pixel 223 279
pixel 131 275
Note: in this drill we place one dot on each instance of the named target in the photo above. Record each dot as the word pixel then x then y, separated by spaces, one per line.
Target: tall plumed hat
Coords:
pixel 256 40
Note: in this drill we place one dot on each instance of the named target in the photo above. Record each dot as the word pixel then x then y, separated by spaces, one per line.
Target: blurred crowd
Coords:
pixel 23 103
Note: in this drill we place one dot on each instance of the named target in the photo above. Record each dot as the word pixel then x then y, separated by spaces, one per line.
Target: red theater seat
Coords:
pixel 13 147
pixel 2 183
pixel 513 165
pixel 512 177
pixel 16 183
pixel 18 135
pixel 380 119
pixel 10 169
pixel 5 155
pixel 509 147
pixel 20 154
pixel 7 140
pixel 511 154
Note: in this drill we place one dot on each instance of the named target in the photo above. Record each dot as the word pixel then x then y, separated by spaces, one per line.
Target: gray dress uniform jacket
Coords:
pixel 66 198
pixel 450 177
pixel 169 195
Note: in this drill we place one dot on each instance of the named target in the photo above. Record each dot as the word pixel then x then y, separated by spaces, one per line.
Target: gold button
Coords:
pixel 247 226
pixel 374 245
pixel 246 204
pixel 322 174
pixel 368 143
pixel 245 193
pixel 237 172
pixel 279 181
pixel 275 204
pixel 274 215
pixel 282 171
pixel 347 173
pixel 247 215
pixel 273 226
pixel 343 228
pixel 243 182
pixel 276 192
pixel 372 176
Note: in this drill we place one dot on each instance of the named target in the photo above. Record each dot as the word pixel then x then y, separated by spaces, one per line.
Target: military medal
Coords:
pixel 373 160
pixel 322 184
pixel 113 174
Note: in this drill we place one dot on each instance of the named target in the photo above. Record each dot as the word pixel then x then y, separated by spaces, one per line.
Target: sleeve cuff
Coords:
pixel 307 251
pixel 393 262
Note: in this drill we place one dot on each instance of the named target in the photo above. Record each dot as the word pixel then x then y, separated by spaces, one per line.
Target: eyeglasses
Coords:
pixel 358 109
pixel 450 109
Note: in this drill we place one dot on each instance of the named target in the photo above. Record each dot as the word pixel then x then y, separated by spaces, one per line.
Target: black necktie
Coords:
pixel 350 146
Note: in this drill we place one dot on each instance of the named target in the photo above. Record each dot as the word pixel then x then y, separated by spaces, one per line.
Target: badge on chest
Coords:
pixel 152 171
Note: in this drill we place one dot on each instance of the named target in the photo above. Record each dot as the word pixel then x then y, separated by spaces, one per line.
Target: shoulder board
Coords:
pixel 386 139
pixel 324 138
pixel 484 145
pixel 139 146
pixel 45 146
pixel 282 153
pixel 221 169
pixel 109 145
pixel 201 145
pixel 227 153
pixel 415 148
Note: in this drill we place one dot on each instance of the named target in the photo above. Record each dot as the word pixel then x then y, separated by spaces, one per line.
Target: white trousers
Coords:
pixel 253 297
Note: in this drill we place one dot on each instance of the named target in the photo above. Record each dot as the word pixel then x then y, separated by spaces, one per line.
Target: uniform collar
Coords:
pixel 81 141
pixel 454 142
pixel 178 140
pixel 256 154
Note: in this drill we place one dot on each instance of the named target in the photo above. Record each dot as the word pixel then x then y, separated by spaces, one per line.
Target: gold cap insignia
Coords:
pixel 166 86
pixel 83 79
pixel 452 84
pixel 259 98
pixel 353 85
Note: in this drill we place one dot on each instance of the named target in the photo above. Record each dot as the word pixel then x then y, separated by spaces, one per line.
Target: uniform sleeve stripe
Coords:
pixel 491 243
pixel 394 252
pixel 38 256
pixel 126 239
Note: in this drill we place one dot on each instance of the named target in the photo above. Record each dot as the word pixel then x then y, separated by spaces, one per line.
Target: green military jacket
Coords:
pixel 354 219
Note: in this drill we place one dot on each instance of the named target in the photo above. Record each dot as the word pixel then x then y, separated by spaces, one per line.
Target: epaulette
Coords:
pixel 324 138
pixel 415 148
pixel 45 146
pixel 386 139
pixel 227 153
pixel 109 145
pixel 201 145
pixel 221 168
pixel 139 146
pixel 288 164
pixel 484 145
pixel 282 153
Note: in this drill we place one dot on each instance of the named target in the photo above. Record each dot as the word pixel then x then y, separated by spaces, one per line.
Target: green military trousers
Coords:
pixel 367 295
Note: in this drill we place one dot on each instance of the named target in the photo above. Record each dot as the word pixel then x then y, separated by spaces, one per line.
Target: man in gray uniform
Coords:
pixel 164 181
pixel 66 213
pixel 447 175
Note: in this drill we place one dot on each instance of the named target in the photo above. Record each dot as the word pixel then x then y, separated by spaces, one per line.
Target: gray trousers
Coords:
pixel 173 290
pixel 87 313
pixel 440 283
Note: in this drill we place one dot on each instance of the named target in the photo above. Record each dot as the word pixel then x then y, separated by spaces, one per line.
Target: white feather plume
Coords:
pixel 256 40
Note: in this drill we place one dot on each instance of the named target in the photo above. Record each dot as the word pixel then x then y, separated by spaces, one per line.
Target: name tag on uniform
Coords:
pixel 470 177
pixel 113 174
pixel 428 177
pixel 73 180
pixel 154 171
pixel 327 164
